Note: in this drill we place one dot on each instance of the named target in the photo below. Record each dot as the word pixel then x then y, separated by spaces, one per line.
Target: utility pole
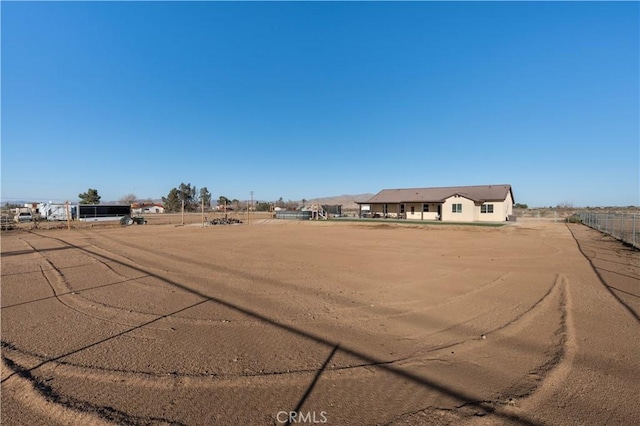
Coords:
pixel 182 212
pixel 249 207
pixel 202 208
pixel 66 204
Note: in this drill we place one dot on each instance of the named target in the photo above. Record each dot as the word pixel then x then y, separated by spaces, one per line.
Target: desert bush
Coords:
pixel 574 218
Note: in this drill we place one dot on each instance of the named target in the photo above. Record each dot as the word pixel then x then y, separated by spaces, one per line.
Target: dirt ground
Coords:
pixel 339 323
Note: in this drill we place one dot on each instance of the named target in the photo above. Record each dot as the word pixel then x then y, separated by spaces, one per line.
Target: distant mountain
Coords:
pixel 348 202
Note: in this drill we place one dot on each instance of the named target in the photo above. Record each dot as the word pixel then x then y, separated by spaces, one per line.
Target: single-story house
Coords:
pixel 146 208
pixel 480 203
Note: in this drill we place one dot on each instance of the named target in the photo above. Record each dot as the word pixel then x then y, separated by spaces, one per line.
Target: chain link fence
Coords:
pixel 623 226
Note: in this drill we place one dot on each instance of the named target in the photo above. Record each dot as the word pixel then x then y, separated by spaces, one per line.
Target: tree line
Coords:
pixel 173 202
pixel 186 195
pixel 193 200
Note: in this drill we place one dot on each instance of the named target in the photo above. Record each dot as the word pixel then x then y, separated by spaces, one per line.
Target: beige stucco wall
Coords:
pixel 501 210
pixel 418 214
pixel 468 210
pixel 508 204
pixel 496 216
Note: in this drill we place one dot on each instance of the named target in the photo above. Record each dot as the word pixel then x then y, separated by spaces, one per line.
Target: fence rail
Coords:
pixel 624 227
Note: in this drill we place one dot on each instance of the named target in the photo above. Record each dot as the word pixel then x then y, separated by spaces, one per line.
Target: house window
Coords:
pixel 401 208
pixel 425 208
pixel 413 210
pixel 486 208
pixel 384 209
pixel 456 208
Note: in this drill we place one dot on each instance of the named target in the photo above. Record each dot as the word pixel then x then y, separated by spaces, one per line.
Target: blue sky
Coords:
pixel 304 100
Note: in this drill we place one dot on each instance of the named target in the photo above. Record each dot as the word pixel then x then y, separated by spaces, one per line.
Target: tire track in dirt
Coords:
pixel 347 303
pixel 387 366
pixel 550 375
pixel 82 305
pixel 544 304
pixel 150 270
pixel 113 311
pixel 458 297
pixel 61 283
pixel 54 405
pixel 40 399
pixel 56 408
pixel 48 360
pixel 466 409
pixel 422 350
pixel 514 321
pixel 612 290
pixel 560 353
pixel 19 357
pixel 224 270
pixel 509 401
pixel 430 347
pixel 460 412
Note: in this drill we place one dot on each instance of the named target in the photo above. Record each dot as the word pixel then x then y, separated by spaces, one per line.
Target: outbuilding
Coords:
pixel 480 203
pixel 143 208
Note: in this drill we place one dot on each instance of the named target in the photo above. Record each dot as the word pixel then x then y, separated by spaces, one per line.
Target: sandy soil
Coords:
pixel 342 323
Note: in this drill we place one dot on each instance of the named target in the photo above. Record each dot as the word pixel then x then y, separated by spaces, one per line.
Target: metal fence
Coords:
pixel 623 226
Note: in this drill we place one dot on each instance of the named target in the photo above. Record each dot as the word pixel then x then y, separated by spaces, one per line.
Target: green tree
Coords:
pixel 521 206
pixel 262 207
pixel 89 197
pixel 172 201
pixel 223 201
pixel 187 193
pixel 205 197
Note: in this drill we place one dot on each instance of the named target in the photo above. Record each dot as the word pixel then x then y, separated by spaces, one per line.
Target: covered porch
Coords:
pixel 410 211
